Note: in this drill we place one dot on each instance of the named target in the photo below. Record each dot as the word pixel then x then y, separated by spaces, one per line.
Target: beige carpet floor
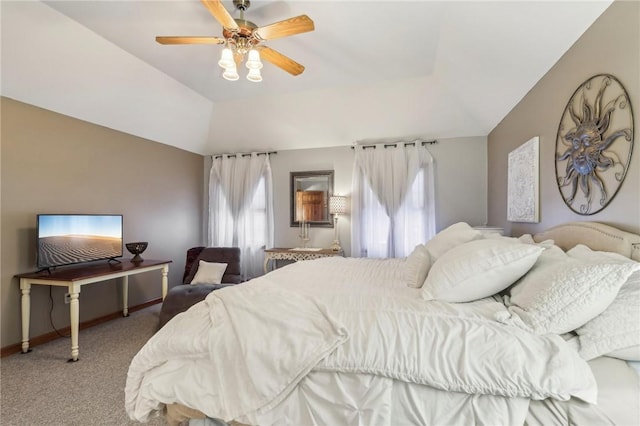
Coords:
pixel 42 388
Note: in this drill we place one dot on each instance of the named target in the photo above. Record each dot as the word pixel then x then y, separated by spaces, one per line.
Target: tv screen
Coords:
pixel 64 239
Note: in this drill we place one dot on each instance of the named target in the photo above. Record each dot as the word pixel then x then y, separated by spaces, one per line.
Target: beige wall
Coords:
pixel 53 163
pixel 611 45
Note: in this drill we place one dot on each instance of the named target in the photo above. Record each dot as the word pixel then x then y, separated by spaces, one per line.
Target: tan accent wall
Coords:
pixel 611 45
pixel 53 163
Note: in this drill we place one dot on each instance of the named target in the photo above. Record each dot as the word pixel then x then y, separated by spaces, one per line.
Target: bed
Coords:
pixel 469 329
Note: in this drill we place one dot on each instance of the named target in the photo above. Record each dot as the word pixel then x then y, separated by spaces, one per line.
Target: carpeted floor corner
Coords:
pixel 42 388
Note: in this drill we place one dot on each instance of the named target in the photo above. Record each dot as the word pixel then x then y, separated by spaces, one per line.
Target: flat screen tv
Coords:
pixel 65 239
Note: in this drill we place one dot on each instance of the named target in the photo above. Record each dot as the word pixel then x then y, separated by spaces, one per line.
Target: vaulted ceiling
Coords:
pixel 374 69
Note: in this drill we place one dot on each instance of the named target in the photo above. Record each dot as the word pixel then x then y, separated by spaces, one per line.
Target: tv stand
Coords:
pixel 74 278
pixel 113 259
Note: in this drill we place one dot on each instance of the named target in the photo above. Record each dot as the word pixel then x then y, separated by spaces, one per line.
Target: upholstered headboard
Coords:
pixel 595 235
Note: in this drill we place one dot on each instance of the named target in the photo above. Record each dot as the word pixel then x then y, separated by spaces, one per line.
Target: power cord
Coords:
pixel 51 314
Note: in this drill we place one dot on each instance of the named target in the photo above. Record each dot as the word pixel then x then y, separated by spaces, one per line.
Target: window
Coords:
pixel 393 200
pixel 241 208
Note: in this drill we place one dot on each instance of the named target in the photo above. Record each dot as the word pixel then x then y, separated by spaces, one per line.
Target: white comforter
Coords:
pixel 251 351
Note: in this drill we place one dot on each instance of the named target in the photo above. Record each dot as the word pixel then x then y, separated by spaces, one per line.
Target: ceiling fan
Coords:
pixel 242 37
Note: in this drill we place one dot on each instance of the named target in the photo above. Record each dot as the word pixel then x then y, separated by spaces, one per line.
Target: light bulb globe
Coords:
pixel 231 74
pixel 253 62
pixel 254 75
pixel 226 59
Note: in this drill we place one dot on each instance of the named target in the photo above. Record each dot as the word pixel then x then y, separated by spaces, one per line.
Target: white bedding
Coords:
pixel 338 399
pixel 618 400
pixel 263 351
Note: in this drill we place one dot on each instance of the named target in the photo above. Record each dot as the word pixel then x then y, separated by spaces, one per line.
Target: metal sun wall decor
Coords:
pixel 522 183
pixel 594 144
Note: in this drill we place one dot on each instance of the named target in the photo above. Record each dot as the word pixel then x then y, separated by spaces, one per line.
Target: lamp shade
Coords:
pixel 254 60
pixel 231 73
pixel 226 59
pixel 337 204
pixel 254 75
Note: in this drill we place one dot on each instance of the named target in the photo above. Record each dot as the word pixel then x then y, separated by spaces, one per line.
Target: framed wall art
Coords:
pixel 523 183
pixel 594 144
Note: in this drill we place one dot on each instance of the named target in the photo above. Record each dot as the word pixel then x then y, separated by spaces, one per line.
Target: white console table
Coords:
pixel 296 255
pixel 74 278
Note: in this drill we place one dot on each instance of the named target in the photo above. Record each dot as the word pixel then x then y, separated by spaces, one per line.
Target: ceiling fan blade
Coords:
pixel 221 14
pixel 279 60
pixel 189 40
pixel 288 27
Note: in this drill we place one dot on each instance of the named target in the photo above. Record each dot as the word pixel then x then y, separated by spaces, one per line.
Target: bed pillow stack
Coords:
pixel 479 269
pixel 616 331
pixel 419 262
pixel 563 291
pixel 528 239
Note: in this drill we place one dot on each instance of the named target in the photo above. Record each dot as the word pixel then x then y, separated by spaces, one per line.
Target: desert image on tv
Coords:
pixel 65 249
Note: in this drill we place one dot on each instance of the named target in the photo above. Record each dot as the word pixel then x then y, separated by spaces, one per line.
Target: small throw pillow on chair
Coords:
pixel 209 273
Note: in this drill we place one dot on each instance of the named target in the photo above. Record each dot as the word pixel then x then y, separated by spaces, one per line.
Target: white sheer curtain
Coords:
pixel 241 207
pixel 392 201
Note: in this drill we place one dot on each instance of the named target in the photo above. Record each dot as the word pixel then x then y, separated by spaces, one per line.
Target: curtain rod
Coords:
pixel 213 157
pixel 387 145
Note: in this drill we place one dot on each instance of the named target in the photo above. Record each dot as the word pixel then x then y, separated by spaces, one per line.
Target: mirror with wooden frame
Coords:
pixel 310 192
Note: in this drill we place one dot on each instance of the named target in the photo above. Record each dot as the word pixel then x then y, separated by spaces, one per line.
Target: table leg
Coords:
pixel 165 280
pixel 125 296
pixel 25 287
pixel 266 264
pixel 74 313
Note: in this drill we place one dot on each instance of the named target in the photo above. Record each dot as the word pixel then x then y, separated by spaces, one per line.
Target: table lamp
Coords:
pixel 337 206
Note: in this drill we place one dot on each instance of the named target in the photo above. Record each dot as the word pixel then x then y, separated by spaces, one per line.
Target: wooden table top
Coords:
pixel 300 250
pixel 78 272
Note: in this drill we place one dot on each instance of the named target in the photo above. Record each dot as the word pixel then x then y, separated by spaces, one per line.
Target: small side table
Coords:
pixel 296 254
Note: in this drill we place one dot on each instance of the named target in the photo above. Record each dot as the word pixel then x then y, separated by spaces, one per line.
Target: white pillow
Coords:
pixel 448 238
pixel 417 266
pixel 528 239
pixel 478 269
pixel 561 293
pixel 616 331
pixel 209 273
pixel 632 353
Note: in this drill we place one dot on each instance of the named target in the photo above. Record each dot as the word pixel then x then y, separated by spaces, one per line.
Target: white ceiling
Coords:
pixel 374 69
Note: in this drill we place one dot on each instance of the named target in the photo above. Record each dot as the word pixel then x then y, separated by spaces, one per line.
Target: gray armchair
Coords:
pixel 182 297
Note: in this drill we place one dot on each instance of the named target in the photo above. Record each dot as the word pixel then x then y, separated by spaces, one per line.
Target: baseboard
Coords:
pixel 45 338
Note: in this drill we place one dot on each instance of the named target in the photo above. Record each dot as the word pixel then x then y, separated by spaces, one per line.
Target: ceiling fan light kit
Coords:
pixel 243 38
pixel 228 63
